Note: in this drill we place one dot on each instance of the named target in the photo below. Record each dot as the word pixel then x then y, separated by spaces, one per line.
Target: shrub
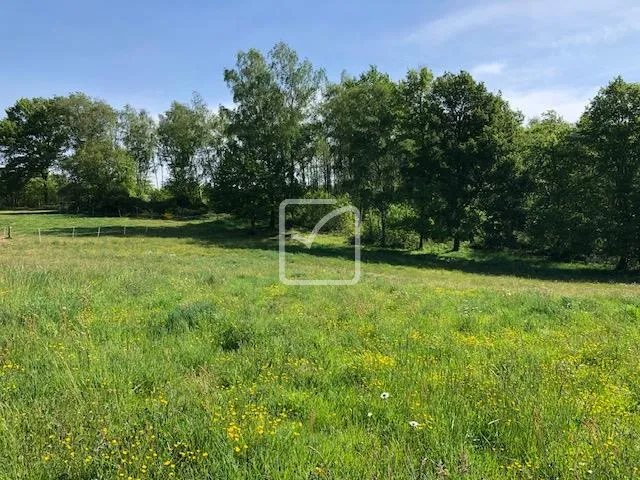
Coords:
pixel 400 231
pixel 228 334
pixel 307 216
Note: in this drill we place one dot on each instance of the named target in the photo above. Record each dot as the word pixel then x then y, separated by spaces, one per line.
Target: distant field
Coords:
pixel 171 350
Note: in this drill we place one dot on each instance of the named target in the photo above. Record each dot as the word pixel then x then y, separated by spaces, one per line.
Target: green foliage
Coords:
pixel 183 137
pixel 307 216
pixel 442 157
pixel 100 176
pixel 361 117
pixel 611 130
pixel 87 120
pixel 41 135
pixel 474 135
pixel 419 165
pixel 33 137
pixel 138 133
pixel 39 192
pixel 562 201
pixel 402 218
pixel 269 134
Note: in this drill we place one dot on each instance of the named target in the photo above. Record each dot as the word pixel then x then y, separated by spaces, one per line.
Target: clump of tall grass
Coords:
pixel 208 319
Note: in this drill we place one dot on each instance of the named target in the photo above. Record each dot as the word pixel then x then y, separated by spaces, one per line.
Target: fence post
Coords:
pixel 9 232
pixel 124 230
pixel 98 232
pixel 39 236
pixel 73 233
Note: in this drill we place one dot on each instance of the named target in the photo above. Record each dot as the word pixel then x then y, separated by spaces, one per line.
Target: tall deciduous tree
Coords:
pixel 362 121
pixel 138 134
pixel 33 139
pixel 87 120
pixel 418 166
pixel 269 131
pixel 611 128
pixel 468 145
pixel 99 175
pixel 561 199
pixel 300 86
pixel 502 195
pixel 182 138
pixel 253 172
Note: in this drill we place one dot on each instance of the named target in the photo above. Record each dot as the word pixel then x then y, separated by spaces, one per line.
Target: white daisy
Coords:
pixel 384 395
pixel 414 424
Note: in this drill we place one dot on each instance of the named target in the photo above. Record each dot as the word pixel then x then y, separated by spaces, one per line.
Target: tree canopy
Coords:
pixel 423 158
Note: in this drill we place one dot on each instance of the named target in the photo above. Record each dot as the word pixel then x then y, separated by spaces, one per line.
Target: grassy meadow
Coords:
pixel 174 352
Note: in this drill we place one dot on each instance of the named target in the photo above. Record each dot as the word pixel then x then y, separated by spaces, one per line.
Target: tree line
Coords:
pixel 423 158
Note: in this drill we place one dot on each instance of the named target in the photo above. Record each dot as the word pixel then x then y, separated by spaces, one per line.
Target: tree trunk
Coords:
pixel 272 219
pixel 45 177
pixel 421 244
pixel 383 227
pixel 456 243
pixel 327 178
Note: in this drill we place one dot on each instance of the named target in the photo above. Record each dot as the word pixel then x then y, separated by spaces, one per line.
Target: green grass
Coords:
pixel 174 351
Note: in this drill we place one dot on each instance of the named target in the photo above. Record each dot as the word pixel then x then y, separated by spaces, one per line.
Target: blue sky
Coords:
pixel 541 54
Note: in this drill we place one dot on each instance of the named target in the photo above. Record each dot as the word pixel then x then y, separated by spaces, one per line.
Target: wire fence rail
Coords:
pixel 10 232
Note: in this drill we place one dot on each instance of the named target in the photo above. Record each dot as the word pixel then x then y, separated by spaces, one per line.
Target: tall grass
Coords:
pixel 174 352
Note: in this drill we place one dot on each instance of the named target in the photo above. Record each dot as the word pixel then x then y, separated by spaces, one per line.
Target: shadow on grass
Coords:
pixel 227 233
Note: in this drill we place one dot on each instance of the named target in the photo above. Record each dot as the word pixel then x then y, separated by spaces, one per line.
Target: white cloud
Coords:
pixel 570 103
pixel 580 19
pixel 605 34
pixel 541 40
pixel 494 68
pixel 441 29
